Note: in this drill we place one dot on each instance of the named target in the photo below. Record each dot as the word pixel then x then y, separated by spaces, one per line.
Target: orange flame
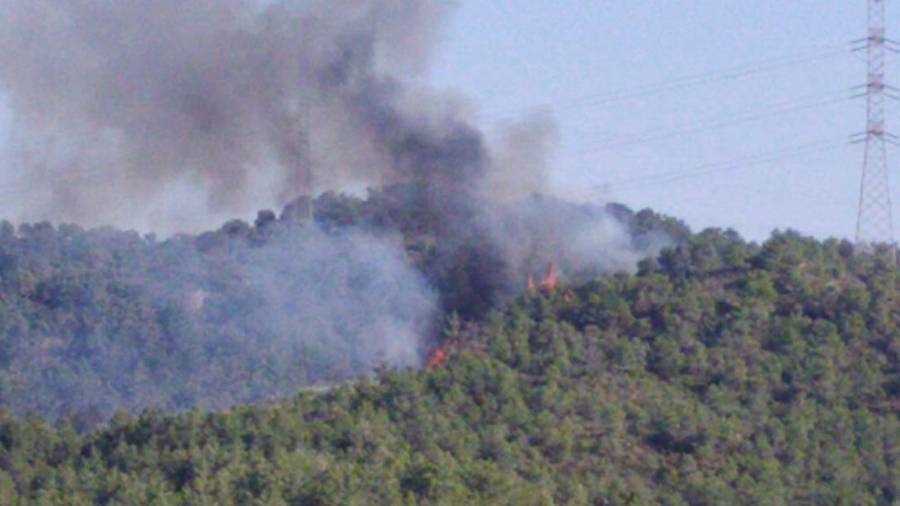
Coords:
pixel 550 279
pixel 437 357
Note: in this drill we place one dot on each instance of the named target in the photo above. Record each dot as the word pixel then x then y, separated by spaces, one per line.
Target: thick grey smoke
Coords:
pixel 261 312
pixel 173 114
pixel 349 296
pixel 581 241
pixel 349 293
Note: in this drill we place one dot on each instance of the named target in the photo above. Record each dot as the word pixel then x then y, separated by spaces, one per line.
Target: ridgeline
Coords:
pixel 721 372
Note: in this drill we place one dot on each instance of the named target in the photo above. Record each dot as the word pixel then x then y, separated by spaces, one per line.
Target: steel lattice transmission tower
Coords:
pixel 874 222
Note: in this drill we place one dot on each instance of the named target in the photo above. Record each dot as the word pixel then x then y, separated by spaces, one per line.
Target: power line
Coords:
pixel 659 135
pixel 669 177
pixel 686 81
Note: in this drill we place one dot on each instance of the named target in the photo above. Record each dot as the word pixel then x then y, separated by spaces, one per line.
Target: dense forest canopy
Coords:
pixel 720 372
pixel 455 337
pixel 328 290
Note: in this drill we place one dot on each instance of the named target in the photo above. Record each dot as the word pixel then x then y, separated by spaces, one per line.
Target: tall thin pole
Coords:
pixel 874 223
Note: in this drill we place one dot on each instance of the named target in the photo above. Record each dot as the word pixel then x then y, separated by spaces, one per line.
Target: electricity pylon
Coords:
pixel 874 222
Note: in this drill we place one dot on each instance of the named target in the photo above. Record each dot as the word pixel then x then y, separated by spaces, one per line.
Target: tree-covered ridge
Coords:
pixel 332 287
pixel 721 373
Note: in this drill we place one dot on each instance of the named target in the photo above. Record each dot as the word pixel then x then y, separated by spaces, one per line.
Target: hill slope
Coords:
pixel 721 373
pixel 96 320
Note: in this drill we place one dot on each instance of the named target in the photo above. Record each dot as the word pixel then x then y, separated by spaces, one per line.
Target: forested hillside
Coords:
pixel 721 372
pixel 330 289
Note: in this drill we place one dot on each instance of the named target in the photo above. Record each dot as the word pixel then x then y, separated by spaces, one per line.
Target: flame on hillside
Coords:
pixel 437 357
pixel 550 279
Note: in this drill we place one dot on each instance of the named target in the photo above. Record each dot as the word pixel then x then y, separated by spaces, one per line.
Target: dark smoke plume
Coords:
pixel 174 114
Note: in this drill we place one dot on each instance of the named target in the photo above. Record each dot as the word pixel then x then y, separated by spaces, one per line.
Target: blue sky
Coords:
pixel 755 143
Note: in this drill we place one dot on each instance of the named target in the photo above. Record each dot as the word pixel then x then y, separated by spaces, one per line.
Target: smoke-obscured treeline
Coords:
pixel 95 320
pixel 175 115
pixel 721 373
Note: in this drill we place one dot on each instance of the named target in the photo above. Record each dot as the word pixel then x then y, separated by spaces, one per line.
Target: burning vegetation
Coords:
pixel 548 281
pixel 437 356
pixel 273 100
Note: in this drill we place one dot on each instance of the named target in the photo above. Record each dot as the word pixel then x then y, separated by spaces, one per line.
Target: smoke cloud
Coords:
pixel 175 115
pixel 260 312
pixel 172 115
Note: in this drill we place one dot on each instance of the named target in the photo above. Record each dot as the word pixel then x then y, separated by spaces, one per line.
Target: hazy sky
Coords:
pixel 776 81
pixel 697 108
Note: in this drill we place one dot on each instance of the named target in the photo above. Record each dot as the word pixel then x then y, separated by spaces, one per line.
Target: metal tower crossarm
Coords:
pixel 874 223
